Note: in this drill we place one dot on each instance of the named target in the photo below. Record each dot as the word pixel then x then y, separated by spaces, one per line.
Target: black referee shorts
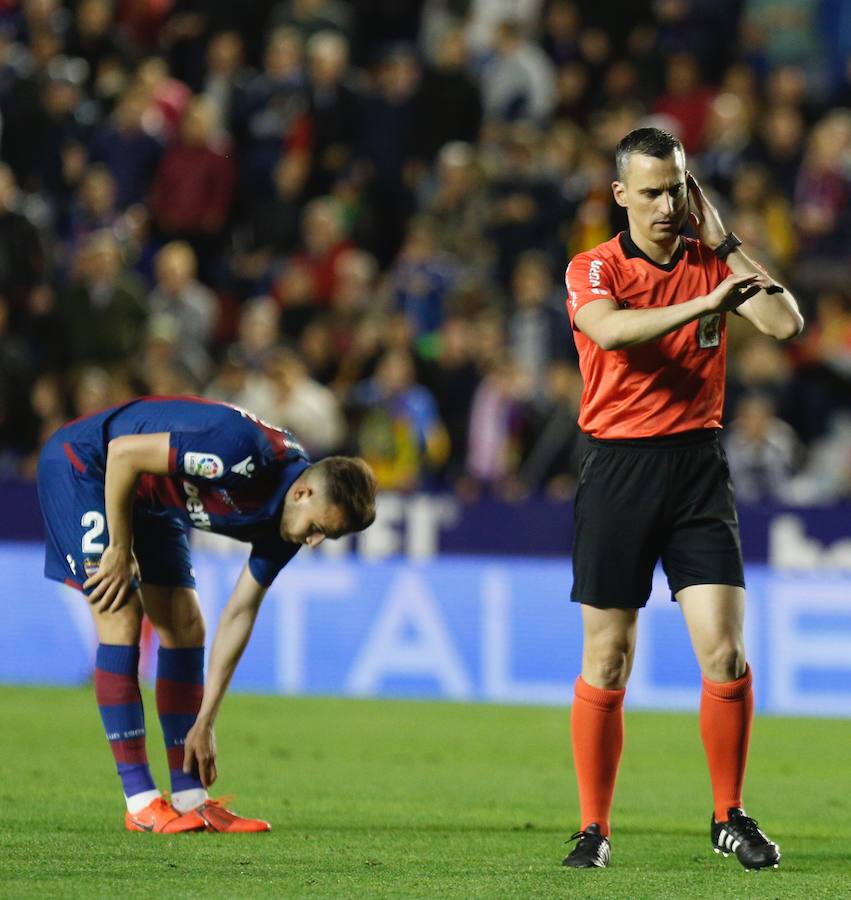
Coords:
pixel 639 501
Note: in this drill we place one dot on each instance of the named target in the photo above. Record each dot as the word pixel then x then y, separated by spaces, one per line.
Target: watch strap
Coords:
pixel 728 245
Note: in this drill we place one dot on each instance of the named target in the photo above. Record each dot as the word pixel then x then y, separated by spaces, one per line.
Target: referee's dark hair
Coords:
pixel 647 142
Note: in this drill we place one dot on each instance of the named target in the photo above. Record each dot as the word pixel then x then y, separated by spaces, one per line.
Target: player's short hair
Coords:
pixel 646 142
pixel 350 485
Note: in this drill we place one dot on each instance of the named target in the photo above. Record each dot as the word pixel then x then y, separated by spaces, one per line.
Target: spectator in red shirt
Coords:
pixel 686 100
pixel 193 187
pixel 323 240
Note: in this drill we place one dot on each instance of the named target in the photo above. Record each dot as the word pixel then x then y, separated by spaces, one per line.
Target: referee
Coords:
pixel 648 309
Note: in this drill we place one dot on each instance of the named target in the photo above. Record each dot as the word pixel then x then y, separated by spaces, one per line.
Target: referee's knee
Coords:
pixel 607 669
pixel 724 663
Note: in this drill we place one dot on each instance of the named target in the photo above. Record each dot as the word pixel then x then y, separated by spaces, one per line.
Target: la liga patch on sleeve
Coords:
pixel 203 465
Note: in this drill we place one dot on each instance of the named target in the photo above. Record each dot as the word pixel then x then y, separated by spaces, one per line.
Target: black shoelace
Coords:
pixel 583 834
pixel 746 828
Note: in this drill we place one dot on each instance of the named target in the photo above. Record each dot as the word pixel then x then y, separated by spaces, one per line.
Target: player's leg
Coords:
pixel 123 715
pixel 120 703
pixel 175 613
pixel 120 700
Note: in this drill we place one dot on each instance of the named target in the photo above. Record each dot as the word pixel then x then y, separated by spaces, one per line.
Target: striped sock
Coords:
pixel 120 703
pixel 180 689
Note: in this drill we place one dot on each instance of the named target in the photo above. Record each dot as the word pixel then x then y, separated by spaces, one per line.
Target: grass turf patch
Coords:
pixel 411 799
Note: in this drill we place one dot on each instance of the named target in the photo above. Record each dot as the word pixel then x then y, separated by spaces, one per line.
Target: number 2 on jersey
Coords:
pixel 95 522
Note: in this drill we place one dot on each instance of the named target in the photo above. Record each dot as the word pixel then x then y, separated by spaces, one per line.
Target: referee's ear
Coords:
pixel 619 193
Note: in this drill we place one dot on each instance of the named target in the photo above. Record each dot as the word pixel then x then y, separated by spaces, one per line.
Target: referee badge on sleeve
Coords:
pixel 709 331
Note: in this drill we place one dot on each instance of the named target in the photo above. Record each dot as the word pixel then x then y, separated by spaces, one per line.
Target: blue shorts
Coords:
pixel 71 494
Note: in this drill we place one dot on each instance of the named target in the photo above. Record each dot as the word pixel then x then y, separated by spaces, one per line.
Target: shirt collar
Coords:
pixel 632 250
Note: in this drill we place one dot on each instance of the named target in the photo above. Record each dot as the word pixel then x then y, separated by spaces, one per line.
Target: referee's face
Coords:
pixel 654 195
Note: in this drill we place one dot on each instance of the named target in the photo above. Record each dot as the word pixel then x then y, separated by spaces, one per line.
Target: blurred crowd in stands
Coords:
pixel 353 218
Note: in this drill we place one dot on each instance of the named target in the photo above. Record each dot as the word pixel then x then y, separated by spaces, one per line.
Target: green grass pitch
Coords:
pixel 412 799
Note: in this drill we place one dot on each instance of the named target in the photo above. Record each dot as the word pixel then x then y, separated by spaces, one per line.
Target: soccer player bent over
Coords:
pixel 117 491
pixel 648 309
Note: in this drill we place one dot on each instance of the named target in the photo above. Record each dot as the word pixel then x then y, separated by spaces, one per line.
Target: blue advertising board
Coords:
pixel 424 526
pixel 479 629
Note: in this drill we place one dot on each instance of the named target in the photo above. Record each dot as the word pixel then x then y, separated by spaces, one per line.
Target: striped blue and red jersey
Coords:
pixel 228 471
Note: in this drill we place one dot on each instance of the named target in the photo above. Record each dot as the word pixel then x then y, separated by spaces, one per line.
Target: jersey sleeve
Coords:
pixel 588 278
pixel 214 454
pixel 268 557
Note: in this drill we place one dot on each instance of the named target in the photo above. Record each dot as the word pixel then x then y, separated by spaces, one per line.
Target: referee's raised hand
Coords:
pixel 703 216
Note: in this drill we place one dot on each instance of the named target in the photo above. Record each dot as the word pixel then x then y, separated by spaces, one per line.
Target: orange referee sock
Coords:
pixel 726 712
pixel 596 720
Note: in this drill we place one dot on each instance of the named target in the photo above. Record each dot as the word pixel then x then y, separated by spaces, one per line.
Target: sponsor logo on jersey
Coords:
pixel 203 465
pixel 594 279
pixel 594 273
pixel 71 564
pixel 244 467
pixel 194 506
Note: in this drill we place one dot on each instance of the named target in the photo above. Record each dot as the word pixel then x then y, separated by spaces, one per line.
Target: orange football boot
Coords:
pixel 217 818
pixel 160 817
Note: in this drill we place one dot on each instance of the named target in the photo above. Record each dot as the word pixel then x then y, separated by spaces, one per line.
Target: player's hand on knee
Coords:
pixel 199 753
pixel 112 584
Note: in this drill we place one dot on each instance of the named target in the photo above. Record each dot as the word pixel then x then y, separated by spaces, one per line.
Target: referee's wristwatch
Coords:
pixel 728 245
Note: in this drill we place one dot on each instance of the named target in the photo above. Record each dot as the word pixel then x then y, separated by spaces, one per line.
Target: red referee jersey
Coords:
pixel 672 384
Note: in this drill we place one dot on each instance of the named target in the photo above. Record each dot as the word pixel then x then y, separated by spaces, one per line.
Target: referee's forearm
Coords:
pixel 632 327
pixel 776 315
